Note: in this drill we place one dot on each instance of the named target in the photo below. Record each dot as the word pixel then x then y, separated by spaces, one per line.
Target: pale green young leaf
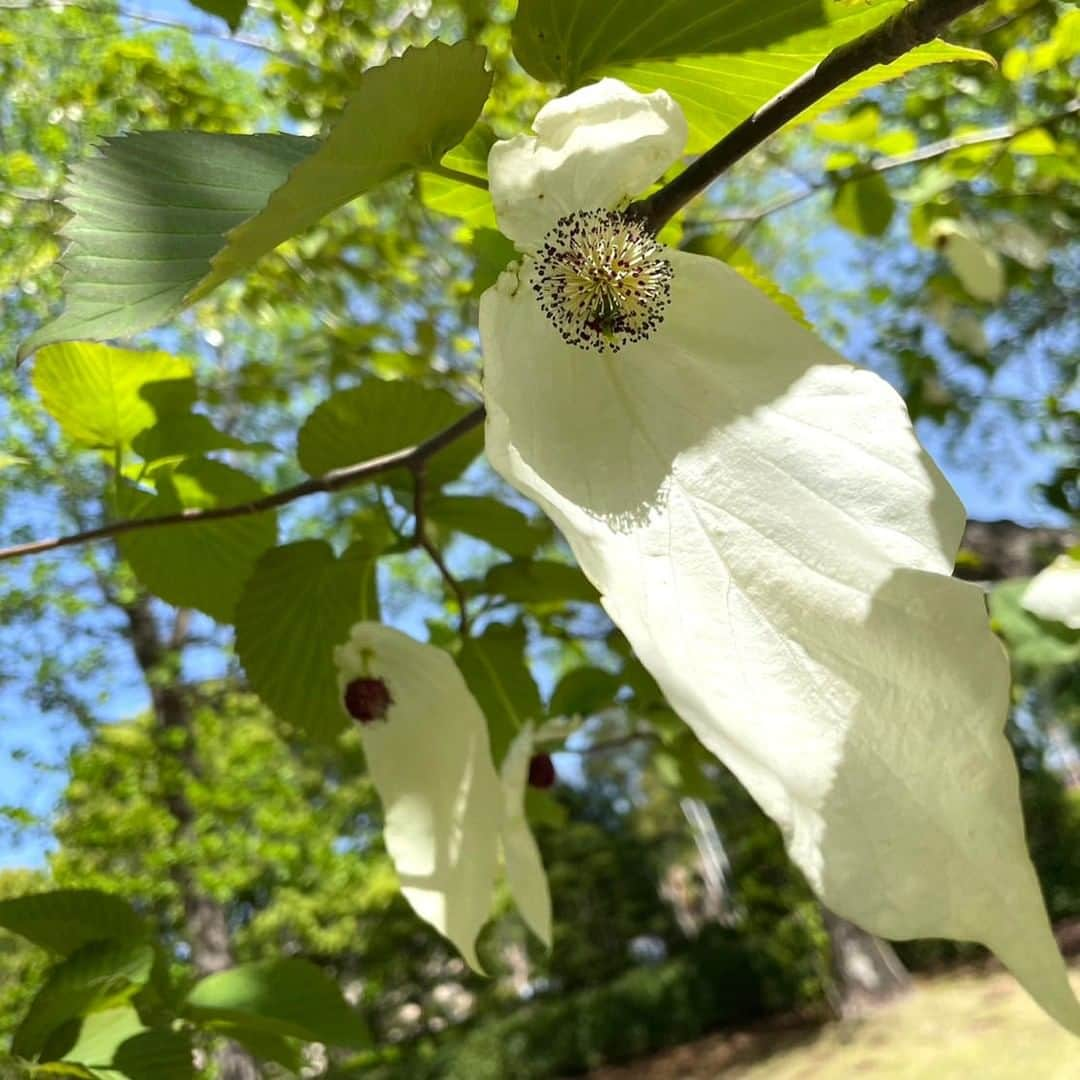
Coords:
pixel 66 919
pixel 286 996
pixel 379 417
pixel 103 397
pixel 96 976
pixel 163 218
pixel 205 565
pixel 457 198
pixel 299 604
pixel 9 461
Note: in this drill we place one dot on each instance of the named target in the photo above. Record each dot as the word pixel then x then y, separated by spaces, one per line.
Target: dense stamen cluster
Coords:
pixel 602 280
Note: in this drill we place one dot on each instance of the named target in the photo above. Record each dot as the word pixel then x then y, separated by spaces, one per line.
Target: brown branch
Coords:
pixel 914 25
pixel 336 480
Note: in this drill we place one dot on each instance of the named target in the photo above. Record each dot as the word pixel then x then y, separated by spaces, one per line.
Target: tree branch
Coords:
pixel 914 25
pixel 410 458
pixel 930 152
pixel 423 541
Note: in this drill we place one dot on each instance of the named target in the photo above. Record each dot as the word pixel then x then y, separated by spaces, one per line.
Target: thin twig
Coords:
pixel 750 219
pixel 335 480
pixel 916 24
pixel 423 541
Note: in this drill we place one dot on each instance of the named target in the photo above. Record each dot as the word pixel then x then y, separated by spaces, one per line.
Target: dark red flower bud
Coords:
pixel 367 700
pixel 541 771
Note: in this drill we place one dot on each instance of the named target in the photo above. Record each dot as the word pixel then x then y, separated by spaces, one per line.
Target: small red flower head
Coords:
pixel 367 699
pixel 541 771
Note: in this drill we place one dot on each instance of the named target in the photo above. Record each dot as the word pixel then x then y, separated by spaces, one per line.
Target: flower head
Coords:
pixel 602 280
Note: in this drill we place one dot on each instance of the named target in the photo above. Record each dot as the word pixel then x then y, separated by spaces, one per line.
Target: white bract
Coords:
pixel 766 530
pixel 1055 592
pixel 447 812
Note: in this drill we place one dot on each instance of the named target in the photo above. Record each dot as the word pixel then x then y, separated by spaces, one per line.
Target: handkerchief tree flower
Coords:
pixel 754 513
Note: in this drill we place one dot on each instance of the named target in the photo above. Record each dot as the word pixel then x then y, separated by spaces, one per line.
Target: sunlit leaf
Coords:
pixel 104 397
pixel 718 92
pixel 563 41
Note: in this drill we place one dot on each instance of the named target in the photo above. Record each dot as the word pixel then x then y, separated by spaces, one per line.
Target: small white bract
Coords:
pixel 602 279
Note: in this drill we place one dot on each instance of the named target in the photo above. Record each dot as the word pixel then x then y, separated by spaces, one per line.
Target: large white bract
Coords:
pixel 766 530
pixel 448 813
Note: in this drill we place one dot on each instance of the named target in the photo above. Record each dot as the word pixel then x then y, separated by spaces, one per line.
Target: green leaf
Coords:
pixel 190 435
pixel 156 1055
pixel 265 1045
pixel 286 996
pixel 491 252
pixel 232 11
pixel 66 919
pixel 379 417
pixel 99 1035
pixel 103 397
pixel 495 670
pixel 584 691
pixel 298 605
pixel 201 566
pixel 864 206
pixel 8 461
pixel 718 92
pixel 557 41
pixel 1033 642
pixel 538 582
pixel 489 520
pixel 163 218
pixel 469 202
pixel 97 976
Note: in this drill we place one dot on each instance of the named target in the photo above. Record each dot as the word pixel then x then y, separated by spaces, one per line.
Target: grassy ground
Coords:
pixel 956 1027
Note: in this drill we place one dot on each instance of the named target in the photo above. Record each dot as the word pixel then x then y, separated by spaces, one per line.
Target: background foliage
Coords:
pixel 926 228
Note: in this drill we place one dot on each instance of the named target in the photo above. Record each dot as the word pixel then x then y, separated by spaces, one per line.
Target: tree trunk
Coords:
pixel 866 970
pixel 205 919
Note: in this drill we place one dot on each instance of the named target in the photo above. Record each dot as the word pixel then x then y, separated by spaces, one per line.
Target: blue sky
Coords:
pixel 27 734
